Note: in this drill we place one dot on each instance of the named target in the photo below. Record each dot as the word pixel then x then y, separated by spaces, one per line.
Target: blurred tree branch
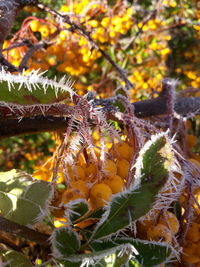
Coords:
pixel 184 106
pixel 23 231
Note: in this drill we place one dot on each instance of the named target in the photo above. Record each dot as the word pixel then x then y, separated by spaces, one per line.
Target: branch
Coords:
pixel 11 127
pixel 32 125
pixel 16 111
pixel 23 231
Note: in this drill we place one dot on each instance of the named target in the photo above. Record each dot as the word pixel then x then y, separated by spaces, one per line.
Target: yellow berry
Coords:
pixel 191 140
pixel 44 30
pixel 159 232
pixel 59 222
pixel 122 168
pixel 116 183
pixel 15 54
pixel 93 23
pixel 61 178
pixel 72 194
pixel 90 170
pixel 191 253
pixel 170 220
pixel 193 233
pixel 81 186
pixel 52 61
pixel 123 150
pixel 34 25
pixel 109 167
pixel 100 194
pixel 76 172
pixel 190 258
pixel 63 35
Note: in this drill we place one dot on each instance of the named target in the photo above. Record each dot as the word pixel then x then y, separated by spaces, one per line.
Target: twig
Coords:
pixel 30 52
pixel 32 125
pixel 10 110
pixel 23 231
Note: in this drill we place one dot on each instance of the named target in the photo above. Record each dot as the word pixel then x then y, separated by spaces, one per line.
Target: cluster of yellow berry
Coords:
pixel 71 52
pixel 150 53
pixel 88 180
pixel 191 244
pixel 161 227
pixel 96 182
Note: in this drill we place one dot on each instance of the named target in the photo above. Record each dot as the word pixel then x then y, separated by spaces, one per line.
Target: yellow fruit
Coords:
pixel 190 258
pixel 63 35
pixel 61 178
pixel 191 140
pixel 34 25
pixel 159 232
pixel 71 194
pixel 44 30
pixel 122 168
pixel 116 183
pixel 90 170
pixel 15 54
pixel 123 150
pixel 77 172
pixel 59 222
pixel 193 233
pixel 170 220
pixel 81 186
pixel 52 61
pixel 100 194
pixel 109 167
pixel 190 253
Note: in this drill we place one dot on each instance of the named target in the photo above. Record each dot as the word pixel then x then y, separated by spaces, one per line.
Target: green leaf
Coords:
pixel 130 205
pixel 76 209
pixel 23 199
pixel 65 242
pixel 96 258
pixel 13 258
pixel 146 253
pixel 154 161
pixel 32 88
pixel 96 215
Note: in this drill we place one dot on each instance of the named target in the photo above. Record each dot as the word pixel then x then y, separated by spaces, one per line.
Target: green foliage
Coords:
pixel 146 253
pixel 65 242
pixel 155 163
pixel 77 209
pixel 120 251
pixel 123 209
pixel 32 89
pixel 130 205
pixel 23 200
pixel 13 258
pixel 25 152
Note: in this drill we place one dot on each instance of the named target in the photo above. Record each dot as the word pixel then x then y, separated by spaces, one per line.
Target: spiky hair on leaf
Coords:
pixel 32 83
pixel 75 209
pixel 65 242
pixel 129 205
pixel 140 160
